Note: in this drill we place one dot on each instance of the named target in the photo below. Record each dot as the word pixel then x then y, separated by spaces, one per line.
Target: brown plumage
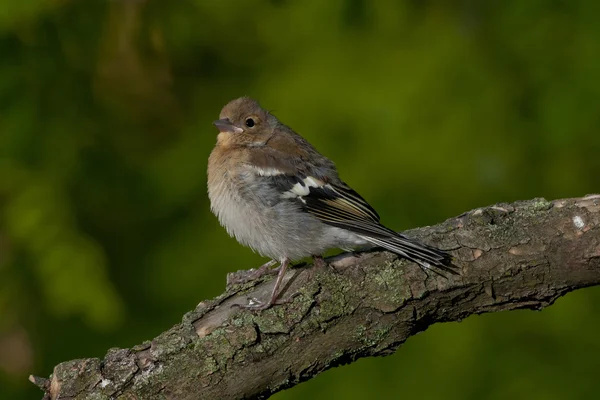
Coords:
pixel 274 192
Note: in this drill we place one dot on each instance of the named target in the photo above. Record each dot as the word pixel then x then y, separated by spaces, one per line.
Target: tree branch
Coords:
pixel 512 256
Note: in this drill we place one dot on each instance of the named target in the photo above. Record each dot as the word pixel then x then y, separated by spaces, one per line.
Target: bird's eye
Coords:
pixel 250 122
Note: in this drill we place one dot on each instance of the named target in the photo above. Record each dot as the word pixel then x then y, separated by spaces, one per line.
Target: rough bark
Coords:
pixel 511 256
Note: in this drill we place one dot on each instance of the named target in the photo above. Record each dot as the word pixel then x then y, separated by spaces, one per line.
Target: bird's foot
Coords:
pixel 256 305
pixel 244 276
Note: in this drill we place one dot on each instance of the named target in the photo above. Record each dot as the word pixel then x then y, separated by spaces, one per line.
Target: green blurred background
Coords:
pixel 429 108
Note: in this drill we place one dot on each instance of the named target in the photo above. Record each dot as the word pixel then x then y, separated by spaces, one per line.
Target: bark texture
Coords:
pixel 511 256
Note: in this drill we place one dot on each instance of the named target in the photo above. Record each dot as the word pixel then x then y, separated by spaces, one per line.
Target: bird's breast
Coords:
pixel 260 217
pixel 244 207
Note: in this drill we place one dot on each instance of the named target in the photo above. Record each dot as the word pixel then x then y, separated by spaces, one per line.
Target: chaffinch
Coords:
pixel 275 193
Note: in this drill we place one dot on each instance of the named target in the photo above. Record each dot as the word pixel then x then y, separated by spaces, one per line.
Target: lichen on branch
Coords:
pixel 512 256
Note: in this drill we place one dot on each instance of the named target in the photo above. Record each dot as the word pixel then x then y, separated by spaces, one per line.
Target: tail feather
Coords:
pixel 426 256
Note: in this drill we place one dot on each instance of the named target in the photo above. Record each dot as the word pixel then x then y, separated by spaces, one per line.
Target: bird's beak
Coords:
pixel 225 125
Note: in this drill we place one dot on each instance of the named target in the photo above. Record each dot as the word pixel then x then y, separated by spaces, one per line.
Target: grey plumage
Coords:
pixel 275 193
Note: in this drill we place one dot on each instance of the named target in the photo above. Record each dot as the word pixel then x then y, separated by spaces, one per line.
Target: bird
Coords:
pixel 275 193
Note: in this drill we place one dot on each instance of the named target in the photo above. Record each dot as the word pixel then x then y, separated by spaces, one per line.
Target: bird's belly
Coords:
pixel 278 231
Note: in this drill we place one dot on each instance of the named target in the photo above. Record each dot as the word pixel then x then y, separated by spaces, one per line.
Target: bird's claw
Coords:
pixel 245 276
pixel 256 305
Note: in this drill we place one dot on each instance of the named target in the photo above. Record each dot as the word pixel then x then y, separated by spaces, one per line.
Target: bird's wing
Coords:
pixel 336 204
pixel 315 185
pixel 340 206
pixel 298 173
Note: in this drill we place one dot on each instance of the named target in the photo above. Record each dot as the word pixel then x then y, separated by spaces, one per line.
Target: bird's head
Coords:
pixel 244 122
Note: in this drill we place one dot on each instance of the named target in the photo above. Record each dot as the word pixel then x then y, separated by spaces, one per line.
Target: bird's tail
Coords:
pixel 426 256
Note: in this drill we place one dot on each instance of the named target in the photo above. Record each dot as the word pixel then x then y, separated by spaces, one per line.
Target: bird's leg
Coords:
pixel 275 293
pixel 240 277
pixel 257 305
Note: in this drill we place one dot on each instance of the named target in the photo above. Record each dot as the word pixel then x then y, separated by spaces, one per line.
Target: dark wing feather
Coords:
pixel 335 202
pixel 342 207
